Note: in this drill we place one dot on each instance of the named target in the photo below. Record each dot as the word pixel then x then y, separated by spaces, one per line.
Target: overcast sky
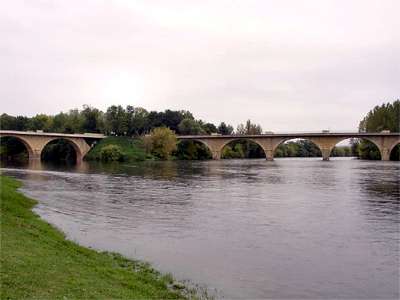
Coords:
pixel 288 65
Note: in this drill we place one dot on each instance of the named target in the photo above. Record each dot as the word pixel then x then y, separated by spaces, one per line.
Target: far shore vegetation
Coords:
pixel 37 262
pixel 136 134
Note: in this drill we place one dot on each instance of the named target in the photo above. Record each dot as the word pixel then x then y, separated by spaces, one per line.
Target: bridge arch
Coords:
pixel 79 154
pixel 25 142
pixel 314 142
pixel 371 140
pixel 238 139
pixel 193 149
pixel 394 151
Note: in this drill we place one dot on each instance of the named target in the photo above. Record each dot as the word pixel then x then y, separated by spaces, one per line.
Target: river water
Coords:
pixel 291 228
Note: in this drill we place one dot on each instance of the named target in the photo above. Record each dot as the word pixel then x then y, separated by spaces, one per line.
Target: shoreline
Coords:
pixel 37 261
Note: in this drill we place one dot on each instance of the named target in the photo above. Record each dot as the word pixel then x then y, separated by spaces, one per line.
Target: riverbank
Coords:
pixel 115 148
pixel 37 262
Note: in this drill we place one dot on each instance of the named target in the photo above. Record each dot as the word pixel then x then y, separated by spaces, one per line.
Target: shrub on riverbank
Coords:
pixel 38 263
pixel 161 143
pixel 117 149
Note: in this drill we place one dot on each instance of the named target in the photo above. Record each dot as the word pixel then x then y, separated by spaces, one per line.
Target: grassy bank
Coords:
pixel 131 149
pixel 37 262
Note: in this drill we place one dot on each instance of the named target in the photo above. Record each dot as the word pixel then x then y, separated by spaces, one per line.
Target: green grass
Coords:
pixel 37 262
pixel 132 149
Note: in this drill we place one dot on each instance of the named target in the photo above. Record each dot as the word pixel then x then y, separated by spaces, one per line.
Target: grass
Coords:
pixel 132 149
pixel 37 262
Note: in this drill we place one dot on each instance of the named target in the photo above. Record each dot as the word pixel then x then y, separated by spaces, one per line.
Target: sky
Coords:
pixel 287 65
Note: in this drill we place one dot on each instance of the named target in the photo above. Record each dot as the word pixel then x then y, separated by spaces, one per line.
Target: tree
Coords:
pixel 384 117
pixel 41 122
pixel 92 119
pixel 210 128
pixel 190 127
pixel 116 121
pixel 137 120
pixel 161 142
pixel 225 129
pixel 249 128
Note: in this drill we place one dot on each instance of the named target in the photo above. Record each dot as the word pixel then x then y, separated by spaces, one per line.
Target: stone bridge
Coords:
pixel 35 141
pixel 385 141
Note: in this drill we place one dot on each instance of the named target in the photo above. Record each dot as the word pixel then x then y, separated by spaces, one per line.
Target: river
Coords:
pixel 291 228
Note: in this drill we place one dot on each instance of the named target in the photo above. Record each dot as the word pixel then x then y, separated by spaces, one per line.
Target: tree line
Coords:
pixel 116 121
pixel 157 131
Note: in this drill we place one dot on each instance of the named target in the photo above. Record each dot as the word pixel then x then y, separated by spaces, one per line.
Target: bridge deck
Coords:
pixel 53 134
pixel 296 135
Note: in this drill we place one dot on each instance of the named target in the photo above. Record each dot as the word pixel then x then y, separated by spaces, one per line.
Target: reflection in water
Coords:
pixel 299 228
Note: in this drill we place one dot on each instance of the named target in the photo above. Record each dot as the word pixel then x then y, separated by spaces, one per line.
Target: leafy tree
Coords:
pixel 161 142
pixel 210 128
pixel 225 129
pixel 190 127
pixel 383 117
pixel 41 122
pixel 192 150
pixel 92 119
pixel 7 122
pixel 137 120
pixel 116 121
pixel 249 128
pixel 172 119
pixel 298 148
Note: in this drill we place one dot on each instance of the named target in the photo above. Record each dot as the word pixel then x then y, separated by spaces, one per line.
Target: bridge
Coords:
pixel 325 141
pixel 35 141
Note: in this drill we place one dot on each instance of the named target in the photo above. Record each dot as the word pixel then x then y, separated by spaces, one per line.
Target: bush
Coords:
pixel 111 153
pixel 161 142
pixel 132 149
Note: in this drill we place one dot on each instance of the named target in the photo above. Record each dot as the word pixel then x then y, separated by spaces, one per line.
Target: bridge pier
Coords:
pixel 216 155
pixel 326 153
pixel 385 154
pixel 34 156
pixel 269 154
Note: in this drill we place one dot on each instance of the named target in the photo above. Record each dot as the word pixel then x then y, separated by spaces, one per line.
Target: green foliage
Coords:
pixel 225 129
pixel 116 121
pixel 368 150
pixel 192 151
pixel 161 142
pixel 299 148
pixel 190 127
pixel 242 149
pixel 59 151
pixel 130 149
pixel 111 153
pixel 384 117
pixel 249 128
pixel 92 119
pixel 12 149
pixel 236 152
pixel 341 151
pixel 37 262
